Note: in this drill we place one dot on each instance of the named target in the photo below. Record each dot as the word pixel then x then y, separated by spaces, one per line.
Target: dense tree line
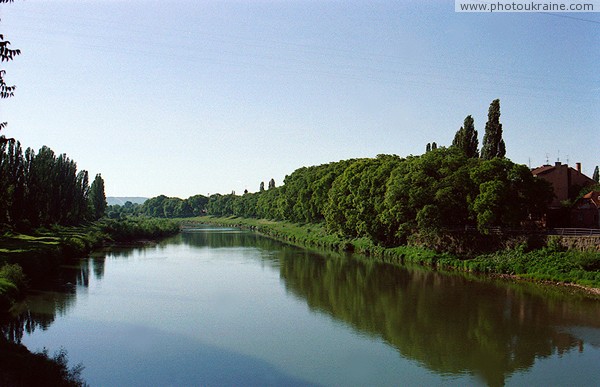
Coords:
pixel 40 189
pixel 161 207
pixel 388 199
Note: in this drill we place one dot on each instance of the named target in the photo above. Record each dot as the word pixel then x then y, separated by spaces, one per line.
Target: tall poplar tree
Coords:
pixel 465 138
pixel 596 176
pixel 493 144
pixel 97 198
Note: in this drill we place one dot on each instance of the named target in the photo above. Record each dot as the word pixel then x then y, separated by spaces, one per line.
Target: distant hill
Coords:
pixel 112 200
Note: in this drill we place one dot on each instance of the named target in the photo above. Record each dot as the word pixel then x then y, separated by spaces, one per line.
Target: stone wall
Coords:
pixel 581 243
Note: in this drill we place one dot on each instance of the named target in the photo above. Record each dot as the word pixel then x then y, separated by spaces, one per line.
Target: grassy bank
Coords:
pixel 35 258
pixel 552 262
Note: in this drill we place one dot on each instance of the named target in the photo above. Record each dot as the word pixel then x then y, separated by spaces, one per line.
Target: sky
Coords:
pixel 200 97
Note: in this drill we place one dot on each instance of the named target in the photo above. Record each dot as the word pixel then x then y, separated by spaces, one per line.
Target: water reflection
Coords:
pixel 55 298
pixel 451 324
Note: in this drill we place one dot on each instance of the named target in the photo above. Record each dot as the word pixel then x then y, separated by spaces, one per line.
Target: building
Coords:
pixel 586 211
pixel 567 182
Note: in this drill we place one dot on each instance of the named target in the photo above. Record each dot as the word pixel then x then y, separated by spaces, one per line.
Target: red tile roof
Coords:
pixel 543 169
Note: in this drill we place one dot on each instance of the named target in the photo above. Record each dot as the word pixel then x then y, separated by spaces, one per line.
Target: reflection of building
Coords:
pixel 586 211
pixel 567 183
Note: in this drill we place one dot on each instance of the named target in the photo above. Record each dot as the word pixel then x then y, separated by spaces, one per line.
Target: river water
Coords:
pixel 221 306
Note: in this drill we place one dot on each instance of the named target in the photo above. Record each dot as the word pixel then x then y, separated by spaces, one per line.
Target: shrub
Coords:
pixel 14 274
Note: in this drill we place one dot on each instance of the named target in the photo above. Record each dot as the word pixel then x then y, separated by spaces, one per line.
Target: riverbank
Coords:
pixel 553 262
pixel 33 259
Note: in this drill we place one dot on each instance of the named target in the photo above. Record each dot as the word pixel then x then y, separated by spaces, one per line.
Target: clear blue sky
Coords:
pixel 188 97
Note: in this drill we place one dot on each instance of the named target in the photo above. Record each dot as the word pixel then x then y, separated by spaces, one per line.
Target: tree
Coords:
pixel 271 183
pixel 6 54
pixel 493 144
pixel 596 176
pixel 508 194
pixel 97 198
pixel 430 146
pixel 262 186
pixel 465 138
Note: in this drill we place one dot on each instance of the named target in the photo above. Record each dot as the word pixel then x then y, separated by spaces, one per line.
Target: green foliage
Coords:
pixel 162 207
pixel 97 198
pixel 389 200
pixel 466 138
pixel 12 285
pixel 135 228
pixel 493 144
pixel 39 189
pixel 14 274
pixel 596 175
pixel 508 193
pixel 356 197
pixel 554 244
pixel 393 201
pixel 545 264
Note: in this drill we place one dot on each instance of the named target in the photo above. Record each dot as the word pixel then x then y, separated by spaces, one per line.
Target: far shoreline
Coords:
pixel 313 236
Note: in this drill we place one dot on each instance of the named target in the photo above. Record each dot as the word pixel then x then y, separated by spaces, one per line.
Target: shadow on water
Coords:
pixel 161 358
pixel 449 323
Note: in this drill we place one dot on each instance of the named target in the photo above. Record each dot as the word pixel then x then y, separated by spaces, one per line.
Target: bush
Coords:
pixel 554 243
pixel 14 274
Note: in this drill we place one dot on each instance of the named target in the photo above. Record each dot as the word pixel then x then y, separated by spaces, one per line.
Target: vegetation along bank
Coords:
pixel 539 258
pixel 34 258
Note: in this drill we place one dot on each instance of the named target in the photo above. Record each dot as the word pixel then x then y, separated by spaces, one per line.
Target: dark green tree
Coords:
pixel 430 146
pixel 271 183
pixel 97 198
pixel 262 186
pixel 465 138
pixel 493 144
pixel 198 204
pixel 596 176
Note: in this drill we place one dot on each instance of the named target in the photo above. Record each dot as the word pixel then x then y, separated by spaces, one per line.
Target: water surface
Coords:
pixel 229 307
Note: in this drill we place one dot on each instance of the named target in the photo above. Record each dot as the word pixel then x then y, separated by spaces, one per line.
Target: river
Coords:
pixel 218 306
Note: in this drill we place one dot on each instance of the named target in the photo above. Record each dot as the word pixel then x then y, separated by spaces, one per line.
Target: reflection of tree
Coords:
pixel 222 238
pixel 448 323
pixel 40 312
pixel 56 297
pixel 427 316
pixel 232 238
